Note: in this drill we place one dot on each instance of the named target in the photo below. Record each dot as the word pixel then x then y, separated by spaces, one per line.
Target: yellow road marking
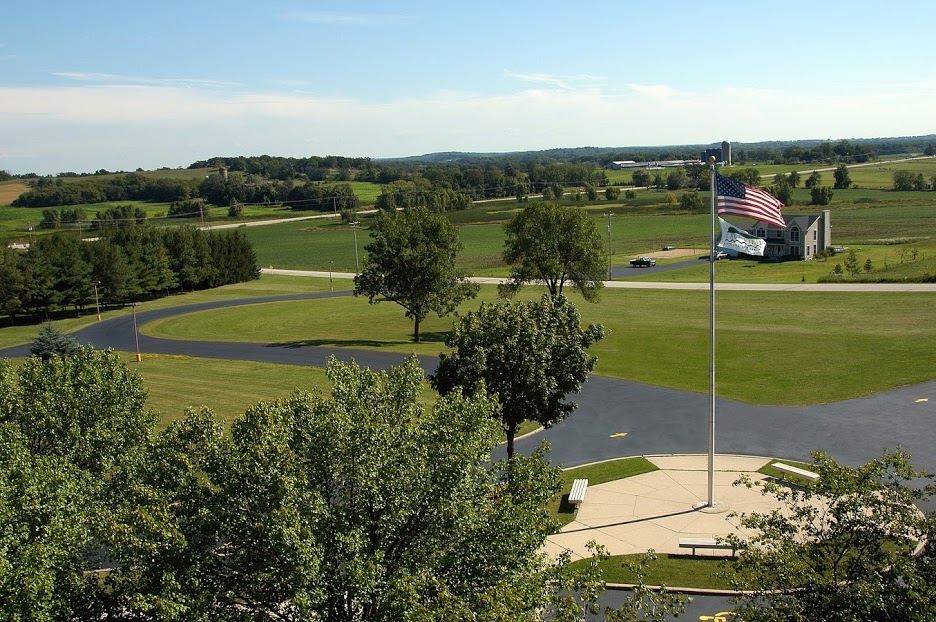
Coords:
pixel 619 435
pixel 922 399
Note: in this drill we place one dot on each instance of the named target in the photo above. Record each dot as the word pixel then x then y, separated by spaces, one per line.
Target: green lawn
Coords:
pixel 772 347
pixel 599 473
pixel 228 388
pixel 264 286
pixel 670 570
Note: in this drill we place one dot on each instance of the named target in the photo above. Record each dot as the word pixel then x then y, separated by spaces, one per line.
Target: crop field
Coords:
pixel 9 190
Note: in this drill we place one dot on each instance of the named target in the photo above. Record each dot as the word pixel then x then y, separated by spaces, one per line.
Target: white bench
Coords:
pixel 577 495
pixel 786 469
pixel 705 543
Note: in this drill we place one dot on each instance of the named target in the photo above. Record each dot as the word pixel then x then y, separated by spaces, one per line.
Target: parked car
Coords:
pixel 643 262
pixel 720 255
pixel 669 248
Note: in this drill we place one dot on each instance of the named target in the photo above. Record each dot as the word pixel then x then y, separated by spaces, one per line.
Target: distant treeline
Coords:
pixel 440 181
pixel 59 272
pixel 216 189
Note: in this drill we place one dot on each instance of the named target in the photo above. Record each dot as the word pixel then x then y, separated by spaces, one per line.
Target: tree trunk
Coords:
pixel 416 329
pixel 511 433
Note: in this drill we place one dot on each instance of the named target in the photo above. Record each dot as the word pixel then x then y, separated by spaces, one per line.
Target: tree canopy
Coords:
pixel 553 243
pixel 531 355
pixel 411 261
pixel 842 549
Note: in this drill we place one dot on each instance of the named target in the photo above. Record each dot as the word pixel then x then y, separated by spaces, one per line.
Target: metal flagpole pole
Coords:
pixel 711 419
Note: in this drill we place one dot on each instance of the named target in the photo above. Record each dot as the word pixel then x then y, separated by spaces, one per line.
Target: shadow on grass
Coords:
pixel 430 337
pixel 338 343
pixel 565 507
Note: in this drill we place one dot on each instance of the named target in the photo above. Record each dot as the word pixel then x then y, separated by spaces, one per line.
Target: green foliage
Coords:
pixel 46 541
pixel 126 264
pixel 357 506
pixel 322 197
pixel 554 243
pixel 821 195
pixel 190 208
pixel 813 180
pixel 906 180
pixel 51 342
pixel 641 177
pixel 99 407
pixel 692 202
pixel 851 263
pixel 782 190
pixel 842 179
pixel 842 547
pixel 411 262
pixel 612 193
pixel 531 355
pixel 749 176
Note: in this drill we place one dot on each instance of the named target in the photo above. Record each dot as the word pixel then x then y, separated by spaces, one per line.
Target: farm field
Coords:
pixel 858 343
pixel 635 230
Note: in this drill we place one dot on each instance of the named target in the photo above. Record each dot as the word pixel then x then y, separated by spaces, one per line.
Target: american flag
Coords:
pixel 738 199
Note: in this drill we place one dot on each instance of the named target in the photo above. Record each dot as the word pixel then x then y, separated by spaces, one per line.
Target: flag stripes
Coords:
pixel 739 199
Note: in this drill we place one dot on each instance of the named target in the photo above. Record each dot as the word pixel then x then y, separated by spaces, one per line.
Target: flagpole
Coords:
pixel 711 418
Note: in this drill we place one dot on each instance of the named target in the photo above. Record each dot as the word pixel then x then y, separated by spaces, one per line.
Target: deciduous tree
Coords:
pixel 842 179
pixel 554 244
pixel 842 547
pixel 530 354
pixel 411 262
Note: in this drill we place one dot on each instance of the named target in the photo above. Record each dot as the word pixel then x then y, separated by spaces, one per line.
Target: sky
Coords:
pixel 121 85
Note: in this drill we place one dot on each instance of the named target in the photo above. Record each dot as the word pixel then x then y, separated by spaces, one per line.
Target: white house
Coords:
pixel 803 238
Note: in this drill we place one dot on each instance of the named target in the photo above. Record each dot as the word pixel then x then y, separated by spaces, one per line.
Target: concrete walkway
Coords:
pixel 655 510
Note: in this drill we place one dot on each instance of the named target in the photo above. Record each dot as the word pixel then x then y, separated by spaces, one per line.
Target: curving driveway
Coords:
pixel 656 420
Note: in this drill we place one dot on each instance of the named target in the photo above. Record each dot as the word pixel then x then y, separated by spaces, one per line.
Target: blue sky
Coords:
pixel 121 85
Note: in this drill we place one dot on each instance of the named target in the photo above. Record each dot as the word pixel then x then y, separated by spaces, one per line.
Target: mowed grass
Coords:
pixel 266 285
pixel 709 573
pixel 772 347
pixel 228 388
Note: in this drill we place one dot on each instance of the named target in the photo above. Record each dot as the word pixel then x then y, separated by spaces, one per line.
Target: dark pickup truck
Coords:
pixel 643 262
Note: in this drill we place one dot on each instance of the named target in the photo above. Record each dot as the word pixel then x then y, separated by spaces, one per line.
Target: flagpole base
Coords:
pixel 705 508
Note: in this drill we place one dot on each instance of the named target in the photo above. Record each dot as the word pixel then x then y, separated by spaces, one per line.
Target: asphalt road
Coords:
pixel 656 420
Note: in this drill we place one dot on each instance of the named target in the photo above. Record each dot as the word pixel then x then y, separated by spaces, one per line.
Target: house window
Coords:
pixel 794 250
pixel 814 235
pixel 807 250
pixel 761 233
pixel 794 234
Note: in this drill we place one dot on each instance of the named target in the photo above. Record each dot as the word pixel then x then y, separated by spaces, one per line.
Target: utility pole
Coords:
pixel 357 265
pixel 609 245
pixel 97 304
pixel 136 334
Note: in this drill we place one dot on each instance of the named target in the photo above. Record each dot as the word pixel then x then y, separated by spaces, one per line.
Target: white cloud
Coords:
pixel 110 78
pixel 89 126
pixel 562 82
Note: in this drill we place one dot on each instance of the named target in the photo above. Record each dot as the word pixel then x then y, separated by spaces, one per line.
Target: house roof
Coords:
pixel 802 222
